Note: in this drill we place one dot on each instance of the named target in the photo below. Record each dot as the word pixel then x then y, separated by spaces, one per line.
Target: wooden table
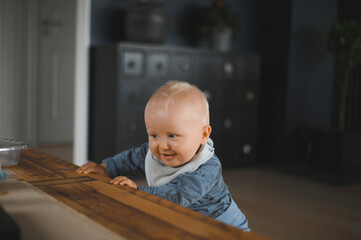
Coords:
pixel 126 212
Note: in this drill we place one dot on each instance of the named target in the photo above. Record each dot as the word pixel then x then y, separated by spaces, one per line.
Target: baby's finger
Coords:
pixel 124 182
pixel 114 180
pixel 129 183
pixel 90 170
pixel 82 169
pixel 87 168
pixel 118 180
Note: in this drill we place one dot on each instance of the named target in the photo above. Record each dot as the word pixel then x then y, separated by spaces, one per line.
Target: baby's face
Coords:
pixel 175 134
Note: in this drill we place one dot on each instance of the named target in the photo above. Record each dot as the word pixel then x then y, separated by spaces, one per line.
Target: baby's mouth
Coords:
pixel 167 156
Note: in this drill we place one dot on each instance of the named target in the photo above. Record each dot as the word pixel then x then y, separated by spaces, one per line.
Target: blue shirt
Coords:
pixel 203 190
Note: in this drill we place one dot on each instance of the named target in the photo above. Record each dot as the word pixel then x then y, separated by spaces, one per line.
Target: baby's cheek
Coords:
pixel 154 150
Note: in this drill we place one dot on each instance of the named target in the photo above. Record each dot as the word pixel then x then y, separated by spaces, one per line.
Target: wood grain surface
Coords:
pixel 131 213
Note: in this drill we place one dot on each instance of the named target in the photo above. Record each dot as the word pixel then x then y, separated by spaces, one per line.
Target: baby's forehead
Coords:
pixel 177 102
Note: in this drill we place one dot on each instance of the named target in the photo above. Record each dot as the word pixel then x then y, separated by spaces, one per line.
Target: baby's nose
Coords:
pixel 164 144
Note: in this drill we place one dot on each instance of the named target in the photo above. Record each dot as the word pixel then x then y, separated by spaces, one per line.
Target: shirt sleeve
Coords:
pixel 188 188
pixel 127 163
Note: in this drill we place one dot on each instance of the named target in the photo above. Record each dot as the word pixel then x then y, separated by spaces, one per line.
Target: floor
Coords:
pixel 64 151
pixel 280 205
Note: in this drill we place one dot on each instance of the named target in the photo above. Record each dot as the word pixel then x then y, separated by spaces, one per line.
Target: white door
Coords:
pixel 56 71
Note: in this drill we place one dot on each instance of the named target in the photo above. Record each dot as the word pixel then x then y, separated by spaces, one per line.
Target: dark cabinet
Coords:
pixel 124 76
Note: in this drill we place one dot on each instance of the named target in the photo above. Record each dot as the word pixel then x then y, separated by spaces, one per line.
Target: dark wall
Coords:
pixel 297 72
pixel 310 72
pixel 274 40
pixel 290 35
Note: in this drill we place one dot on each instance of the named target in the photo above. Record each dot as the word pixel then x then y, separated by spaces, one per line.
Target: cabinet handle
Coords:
pixel 228 69
pixel 131 64
pixel 228 123
pixel 249 96
pixel 184 66
pixel 247 149
pixel 159 66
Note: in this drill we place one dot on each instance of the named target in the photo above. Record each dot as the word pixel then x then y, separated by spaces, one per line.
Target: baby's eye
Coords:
pixel 153 135
pixel 172 135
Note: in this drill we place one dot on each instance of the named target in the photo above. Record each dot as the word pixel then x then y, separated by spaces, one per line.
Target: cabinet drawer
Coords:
pixel 131 131
pixel 132 95
pixel 248 94
pixel 183 66
pixel 234 153
pixel 224 123
pixel 213 90
pixel 158 64
pixel 247 151
pixel 132 63
pixel 228 67
pixel 208 67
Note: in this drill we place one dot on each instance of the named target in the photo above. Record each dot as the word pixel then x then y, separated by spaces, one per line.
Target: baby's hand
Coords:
pixel 121 180
pixel 93 167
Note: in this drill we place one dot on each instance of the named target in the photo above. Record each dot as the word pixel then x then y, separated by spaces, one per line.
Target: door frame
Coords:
pixel 81 78
pixel 81 105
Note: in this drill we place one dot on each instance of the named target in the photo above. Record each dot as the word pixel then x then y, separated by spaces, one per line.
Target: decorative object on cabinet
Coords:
pixel 147 22
pixel 344 41
pixel 218 24
pixel 339 147
pixel 221 39
pixel 125 75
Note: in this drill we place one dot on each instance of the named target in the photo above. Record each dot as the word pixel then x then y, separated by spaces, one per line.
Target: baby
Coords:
pixel 178 161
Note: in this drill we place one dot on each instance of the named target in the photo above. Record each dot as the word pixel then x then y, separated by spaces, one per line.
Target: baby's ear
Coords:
pixel 206 132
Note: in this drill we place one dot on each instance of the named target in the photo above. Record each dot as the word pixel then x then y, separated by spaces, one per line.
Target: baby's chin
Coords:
pixel 171 163
pixel 174 163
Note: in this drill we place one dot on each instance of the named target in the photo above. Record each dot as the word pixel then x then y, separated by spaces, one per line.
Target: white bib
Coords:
pixel 157 173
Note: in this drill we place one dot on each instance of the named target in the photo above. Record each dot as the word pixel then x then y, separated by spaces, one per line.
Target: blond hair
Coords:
pixel 178 91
